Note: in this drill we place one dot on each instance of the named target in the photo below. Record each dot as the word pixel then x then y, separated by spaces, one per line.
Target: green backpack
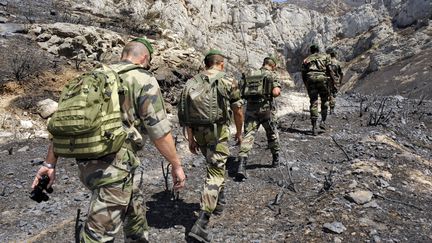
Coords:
pixel 256 85
pixel 203 101
pixel 88 122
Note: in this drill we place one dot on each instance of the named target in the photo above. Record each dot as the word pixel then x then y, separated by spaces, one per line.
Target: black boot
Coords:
pixel 220 203
pixel 314 130
pixel 199 230
pixel 241 171
pixel 275 162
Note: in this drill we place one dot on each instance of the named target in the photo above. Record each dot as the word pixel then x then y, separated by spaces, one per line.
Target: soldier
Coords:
pixel 260 110
pixel 337 76
pixel 116 196
pixel 212 140
pixel 315 74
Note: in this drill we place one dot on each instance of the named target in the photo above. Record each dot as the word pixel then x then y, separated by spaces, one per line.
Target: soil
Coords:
pixel 392 160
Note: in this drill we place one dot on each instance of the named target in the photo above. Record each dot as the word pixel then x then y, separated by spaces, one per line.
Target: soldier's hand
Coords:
pixel 238 138
pixel 44 171
pixel 193 146
pixel 179 177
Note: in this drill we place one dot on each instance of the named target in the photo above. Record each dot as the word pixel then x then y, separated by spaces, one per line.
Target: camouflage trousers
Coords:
pixel 251 125
pixel 116 199
pixel 318 88
pixel 214 147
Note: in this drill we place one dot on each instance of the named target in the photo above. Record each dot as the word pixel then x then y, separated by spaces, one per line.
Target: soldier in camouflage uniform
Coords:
pixel 261 111
pixel 116 196
pixel 336 77
pixel 214 146
pixel 315 74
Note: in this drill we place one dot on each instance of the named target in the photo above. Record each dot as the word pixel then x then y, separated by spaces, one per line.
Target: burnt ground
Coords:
pixel 391 159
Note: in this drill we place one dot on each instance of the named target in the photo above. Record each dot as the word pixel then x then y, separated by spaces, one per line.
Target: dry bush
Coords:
pixel 26 63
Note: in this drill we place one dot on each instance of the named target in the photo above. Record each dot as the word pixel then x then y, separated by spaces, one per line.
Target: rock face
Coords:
pixel 76 41
pixel 365 35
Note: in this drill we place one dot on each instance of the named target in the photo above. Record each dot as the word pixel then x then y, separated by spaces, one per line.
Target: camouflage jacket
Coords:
pixel 263 104
pixel 143 108
pixel 336 69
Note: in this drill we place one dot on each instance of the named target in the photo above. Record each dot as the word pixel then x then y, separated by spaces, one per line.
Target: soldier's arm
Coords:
pixel 50 159
pixel 237 108
pixel 153 116
pixel 276 86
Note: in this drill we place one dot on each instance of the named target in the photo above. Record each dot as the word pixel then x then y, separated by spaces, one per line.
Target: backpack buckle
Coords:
pixel 72 144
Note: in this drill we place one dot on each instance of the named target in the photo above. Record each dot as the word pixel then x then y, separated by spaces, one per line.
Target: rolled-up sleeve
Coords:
pixel 235 96
pixel 152 110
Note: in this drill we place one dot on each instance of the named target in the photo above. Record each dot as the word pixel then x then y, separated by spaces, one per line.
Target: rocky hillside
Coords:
pixel 367 36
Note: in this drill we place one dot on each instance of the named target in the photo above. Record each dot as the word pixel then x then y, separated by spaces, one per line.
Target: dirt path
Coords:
pixel 391 162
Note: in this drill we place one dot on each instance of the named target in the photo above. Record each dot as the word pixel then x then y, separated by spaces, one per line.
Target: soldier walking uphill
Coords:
pixel 336 78
pixel 315 74
pixel 206 104
pixel 134 111
pixel 259 89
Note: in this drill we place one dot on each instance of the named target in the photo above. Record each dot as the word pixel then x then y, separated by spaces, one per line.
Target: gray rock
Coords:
pixel 24 149
pixel 41 134
pixel 360 196
pixel 382 183
pixel 3 20
pixel 26 124
pixel 371 204
pixel 335 227
pixel 46 107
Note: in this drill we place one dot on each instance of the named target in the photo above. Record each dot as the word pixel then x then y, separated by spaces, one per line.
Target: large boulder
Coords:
pixel 46 107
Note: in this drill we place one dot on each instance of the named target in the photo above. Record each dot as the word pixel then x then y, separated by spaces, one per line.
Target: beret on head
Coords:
pixel 145 42
pixel 272 58
pixel 214 52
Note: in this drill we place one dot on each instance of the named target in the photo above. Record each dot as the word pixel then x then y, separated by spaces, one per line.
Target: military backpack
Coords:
pixel 88 121
pixel 203 101
pixel 256 84
pixel 315 63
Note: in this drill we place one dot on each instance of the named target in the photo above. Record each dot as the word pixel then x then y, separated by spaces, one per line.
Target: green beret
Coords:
pixel 272 58
pixel 314 47
pixel 330 51
pixel 214 52
pixel 145 42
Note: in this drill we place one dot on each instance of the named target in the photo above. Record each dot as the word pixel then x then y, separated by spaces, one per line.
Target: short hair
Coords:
pixel 269 61
pixel 212 60
pixel 135 50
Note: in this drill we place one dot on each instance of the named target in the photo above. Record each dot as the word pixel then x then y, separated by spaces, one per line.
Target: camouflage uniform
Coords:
pixel 315 77
pixel 261 111
pixel 215 149
pixel 337 73
pixel 116 196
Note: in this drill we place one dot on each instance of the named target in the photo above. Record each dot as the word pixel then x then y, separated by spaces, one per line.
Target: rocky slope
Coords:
pixel 367 36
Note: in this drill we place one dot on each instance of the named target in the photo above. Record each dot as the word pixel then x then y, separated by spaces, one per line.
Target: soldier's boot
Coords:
pixel 314 130
pixel 275 161
pixel 323 125
pixel 220 206
pixel 241 171
pixel 199 230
